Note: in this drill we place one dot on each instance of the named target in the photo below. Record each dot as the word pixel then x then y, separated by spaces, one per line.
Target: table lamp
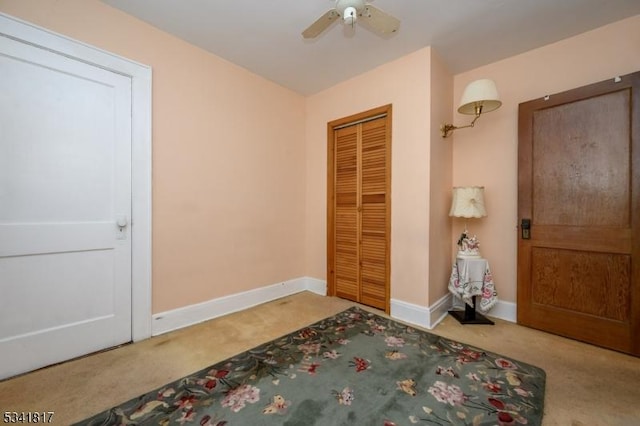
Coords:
pixel 468 202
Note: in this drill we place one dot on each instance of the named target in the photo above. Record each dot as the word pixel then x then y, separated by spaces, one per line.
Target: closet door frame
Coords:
pixel 332 126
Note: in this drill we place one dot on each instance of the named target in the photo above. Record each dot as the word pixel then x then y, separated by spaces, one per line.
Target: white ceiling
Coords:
pixel 264 37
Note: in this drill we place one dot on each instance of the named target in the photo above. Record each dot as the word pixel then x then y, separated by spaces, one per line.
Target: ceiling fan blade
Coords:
pixel 379 20
pixel 321 24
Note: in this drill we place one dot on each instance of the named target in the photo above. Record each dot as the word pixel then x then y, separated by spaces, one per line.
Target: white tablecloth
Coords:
pixel 472 277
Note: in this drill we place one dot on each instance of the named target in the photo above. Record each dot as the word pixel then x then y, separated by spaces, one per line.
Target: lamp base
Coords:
pixel 468 247
pixel 468 255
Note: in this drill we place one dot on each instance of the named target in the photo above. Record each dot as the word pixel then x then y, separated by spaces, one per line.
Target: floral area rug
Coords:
pixel 354 368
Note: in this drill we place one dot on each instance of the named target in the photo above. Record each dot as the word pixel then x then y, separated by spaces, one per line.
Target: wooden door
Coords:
pixel 359 208
pixel 65 183
pixel 579 185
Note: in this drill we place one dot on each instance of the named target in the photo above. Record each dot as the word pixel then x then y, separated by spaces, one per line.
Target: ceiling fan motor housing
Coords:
pixel 343 5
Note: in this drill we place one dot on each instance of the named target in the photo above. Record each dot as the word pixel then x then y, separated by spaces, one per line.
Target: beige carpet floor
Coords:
pixel 586 385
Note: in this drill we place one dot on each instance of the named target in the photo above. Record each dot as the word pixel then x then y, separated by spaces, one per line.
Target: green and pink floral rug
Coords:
pixel 354 368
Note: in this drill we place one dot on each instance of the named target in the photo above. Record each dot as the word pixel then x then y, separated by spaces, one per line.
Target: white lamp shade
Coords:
pixel 468 201
pixel 479 93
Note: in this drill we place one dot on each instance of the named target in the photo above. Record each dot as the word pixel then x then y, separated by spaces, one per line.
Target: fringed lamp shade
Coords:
pixel 468 202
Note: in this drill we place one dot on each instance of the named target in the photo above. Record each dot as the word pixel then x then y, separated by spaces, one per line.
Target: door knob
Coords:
pixel 122 222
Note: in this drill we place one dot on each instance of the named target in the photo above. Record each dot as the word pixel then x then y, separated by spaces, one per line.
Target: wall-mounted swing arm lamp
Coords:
pixel 479 97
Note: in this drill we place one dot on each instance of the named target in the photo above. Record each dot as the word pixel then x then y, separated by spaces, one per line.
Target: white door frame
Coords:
pixel 140 151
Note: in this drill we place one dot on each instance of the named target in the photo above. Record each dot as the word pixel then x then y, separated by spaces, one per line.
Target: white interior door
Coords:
pixel 65 183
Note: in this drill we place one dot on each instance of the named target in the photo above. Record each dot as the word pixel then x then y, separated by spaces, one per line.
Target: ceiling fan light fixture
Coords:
pixel 351 11
pixel 350 15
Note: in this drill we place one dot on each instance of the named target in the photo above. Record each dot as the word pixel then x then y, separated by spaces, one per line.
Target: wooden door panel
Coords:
pixel 373 269
pixel 346 213
pixel 374 218
pixel 574 165
pixel 374 168
pixel 373 254
pixel 578 274
pixel 373 272
pixel 374 248
pixel 583 282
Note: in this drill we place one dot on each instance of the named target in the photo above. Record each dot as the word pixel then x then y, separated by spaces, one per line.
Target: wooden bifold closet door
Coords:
pixel 359 208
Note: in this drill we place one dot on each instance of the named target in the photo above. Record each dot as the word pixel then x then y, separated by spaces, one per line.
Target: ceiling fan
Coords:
pixel 351 11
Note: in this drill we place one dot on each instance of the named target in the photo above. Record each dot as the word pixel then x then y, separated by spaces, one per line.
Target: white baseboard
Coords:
pixel 504 310
pixel 408 312
pixel 316 286
pixel 189 315
pixel 440 309
pixel 427 317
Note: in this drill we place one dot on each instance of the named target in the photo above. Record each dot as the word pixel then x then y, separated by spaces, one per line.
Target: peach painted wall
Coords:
pixel 228 158
pixel 487 154
pixel 404 83
pixel 240 179
pixel 440 174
